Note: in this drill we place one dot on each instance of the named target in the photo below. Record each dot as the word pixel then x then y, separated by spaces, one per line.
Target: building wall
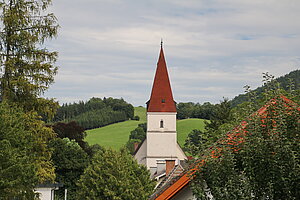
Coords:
pixel 140 155
pixel 184 194
pixel 154 118
pixel 180 154
pixel 161 144
pixel 45 193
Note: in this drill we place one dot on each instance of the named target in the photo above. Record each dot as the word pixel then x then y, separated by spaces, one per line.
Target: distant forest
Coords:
pixel 96 112
pixel 289 82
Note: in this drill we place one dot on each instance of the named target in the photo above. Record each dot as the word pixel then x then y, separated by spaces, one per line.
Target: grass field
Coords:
pixel 116 135
pixel 141 112
pixel 185 126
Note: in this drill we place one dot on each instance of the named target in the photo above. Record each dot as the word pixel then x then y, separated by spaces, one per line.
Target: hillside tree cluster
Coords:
pixel 289 83
pixel 95 113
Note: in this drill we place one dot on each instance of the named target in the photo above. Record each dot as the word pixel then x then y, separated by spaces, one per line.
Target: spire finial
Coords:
pixel 161 42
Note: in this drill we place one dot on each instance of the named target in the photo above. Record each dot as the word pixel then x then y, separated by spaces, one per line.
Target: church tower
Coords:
pixel 160 144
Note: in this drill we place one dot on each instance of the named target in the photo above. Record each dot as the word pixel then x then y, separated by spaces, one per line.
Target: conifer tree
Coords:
pixel 26 67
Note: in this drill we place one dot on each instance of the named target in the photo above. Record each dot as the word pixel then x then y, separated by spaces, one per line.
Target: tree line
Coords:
pixel 195 110
pixel 289 83
pixel 96 112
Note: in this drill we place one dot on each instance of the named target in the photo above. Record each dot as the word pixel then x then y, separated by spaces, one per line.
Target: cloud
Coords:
pixel 213 48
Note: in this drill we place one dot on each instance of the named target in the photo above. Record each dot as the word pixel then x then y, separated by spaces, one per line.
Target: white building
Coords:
pixel 160 151
pixel 46 191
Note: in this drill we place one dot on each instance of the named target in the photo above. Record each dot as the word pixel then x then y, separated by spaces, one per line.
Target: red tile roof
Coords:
pixel 234 138
pixel 161 99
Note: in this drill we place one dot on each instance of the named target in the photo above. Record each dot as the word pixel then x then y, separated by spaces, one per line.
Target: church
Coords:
pixel 160 151
pixel 160 148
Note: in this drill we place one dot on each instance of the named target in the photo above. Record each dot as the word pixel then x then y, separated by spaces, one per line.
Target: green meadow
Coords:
pixel 116 135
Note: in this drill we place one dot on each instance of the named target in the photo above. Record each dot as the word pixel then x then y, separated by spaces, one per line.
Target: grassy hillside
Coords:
pixel 116 135
pixel 185 126
pixel 141 112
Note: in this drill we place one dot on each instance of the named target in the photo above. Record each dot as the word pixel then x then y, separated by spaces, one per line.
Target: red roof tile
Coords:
pixel 234 138
pixel 161 99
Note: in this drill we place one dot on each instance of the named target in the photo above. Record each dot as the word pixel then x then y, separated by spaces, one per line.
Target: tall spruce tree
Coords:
pixel 27 68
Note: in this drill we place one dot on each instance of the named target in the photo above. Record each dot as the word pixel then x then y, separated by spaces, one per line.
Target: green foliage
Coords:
pixel 70 160
pixel 99 118
pixel 270 154
pixel 195 143
pixel 137 118
pixel 95 112
pixel 266 164
pixel 192 110
pixel 220 123
pixel 115 176
pixel 139 133
pixel 72 131
pixel 220 178
pixel 131 145
pixel 27 67
pixel 136 136
pixel 24 156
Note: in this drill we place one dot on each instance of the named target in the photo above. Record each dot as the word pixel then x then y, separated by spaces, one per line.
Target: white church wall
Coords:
pixel 161 144
pixel 140 155
pixel 154 119
pixel 180 154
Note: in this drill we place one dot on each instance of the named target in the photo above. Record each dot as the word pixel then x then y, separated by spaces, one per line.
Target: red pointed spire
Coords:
pixel 161 99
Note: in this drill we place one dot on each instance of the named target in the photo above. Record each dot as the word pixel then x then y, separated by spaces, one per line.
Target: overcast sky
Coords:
pixel 109 48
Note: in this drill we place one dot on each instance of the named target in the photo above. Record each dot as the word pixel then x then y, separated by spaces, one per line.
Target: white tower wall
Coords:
pixel 161 137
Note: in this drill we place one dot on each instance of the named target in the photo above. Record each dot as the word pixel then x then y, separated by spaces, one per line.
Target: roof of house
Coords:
pixel 161 99
pixel 233 138
pixel 49 185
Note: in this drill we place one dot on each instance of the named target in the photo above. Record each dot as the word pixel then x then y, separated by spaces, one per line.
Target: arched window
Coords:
pixel 161 123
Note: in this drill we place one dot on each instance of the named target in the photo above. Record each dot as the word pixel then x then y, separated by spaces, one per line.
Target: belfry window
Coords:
pixel 161 123
pixel 163 101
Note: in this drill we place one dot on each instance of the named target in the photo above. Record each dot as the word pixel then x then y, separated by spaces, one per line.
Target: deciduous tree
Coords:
pixel 70 160
pixel 24 156
pixel 115 176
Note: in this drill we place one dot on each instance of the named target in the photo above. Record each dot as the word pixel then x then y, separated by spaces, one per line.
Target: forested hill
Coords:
pixel 286 82
pixel 96 112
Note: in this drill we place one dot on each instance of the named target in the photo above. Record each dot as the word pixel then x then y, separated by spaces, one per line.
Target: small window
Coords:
pixel 163 101
pixel 161 123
